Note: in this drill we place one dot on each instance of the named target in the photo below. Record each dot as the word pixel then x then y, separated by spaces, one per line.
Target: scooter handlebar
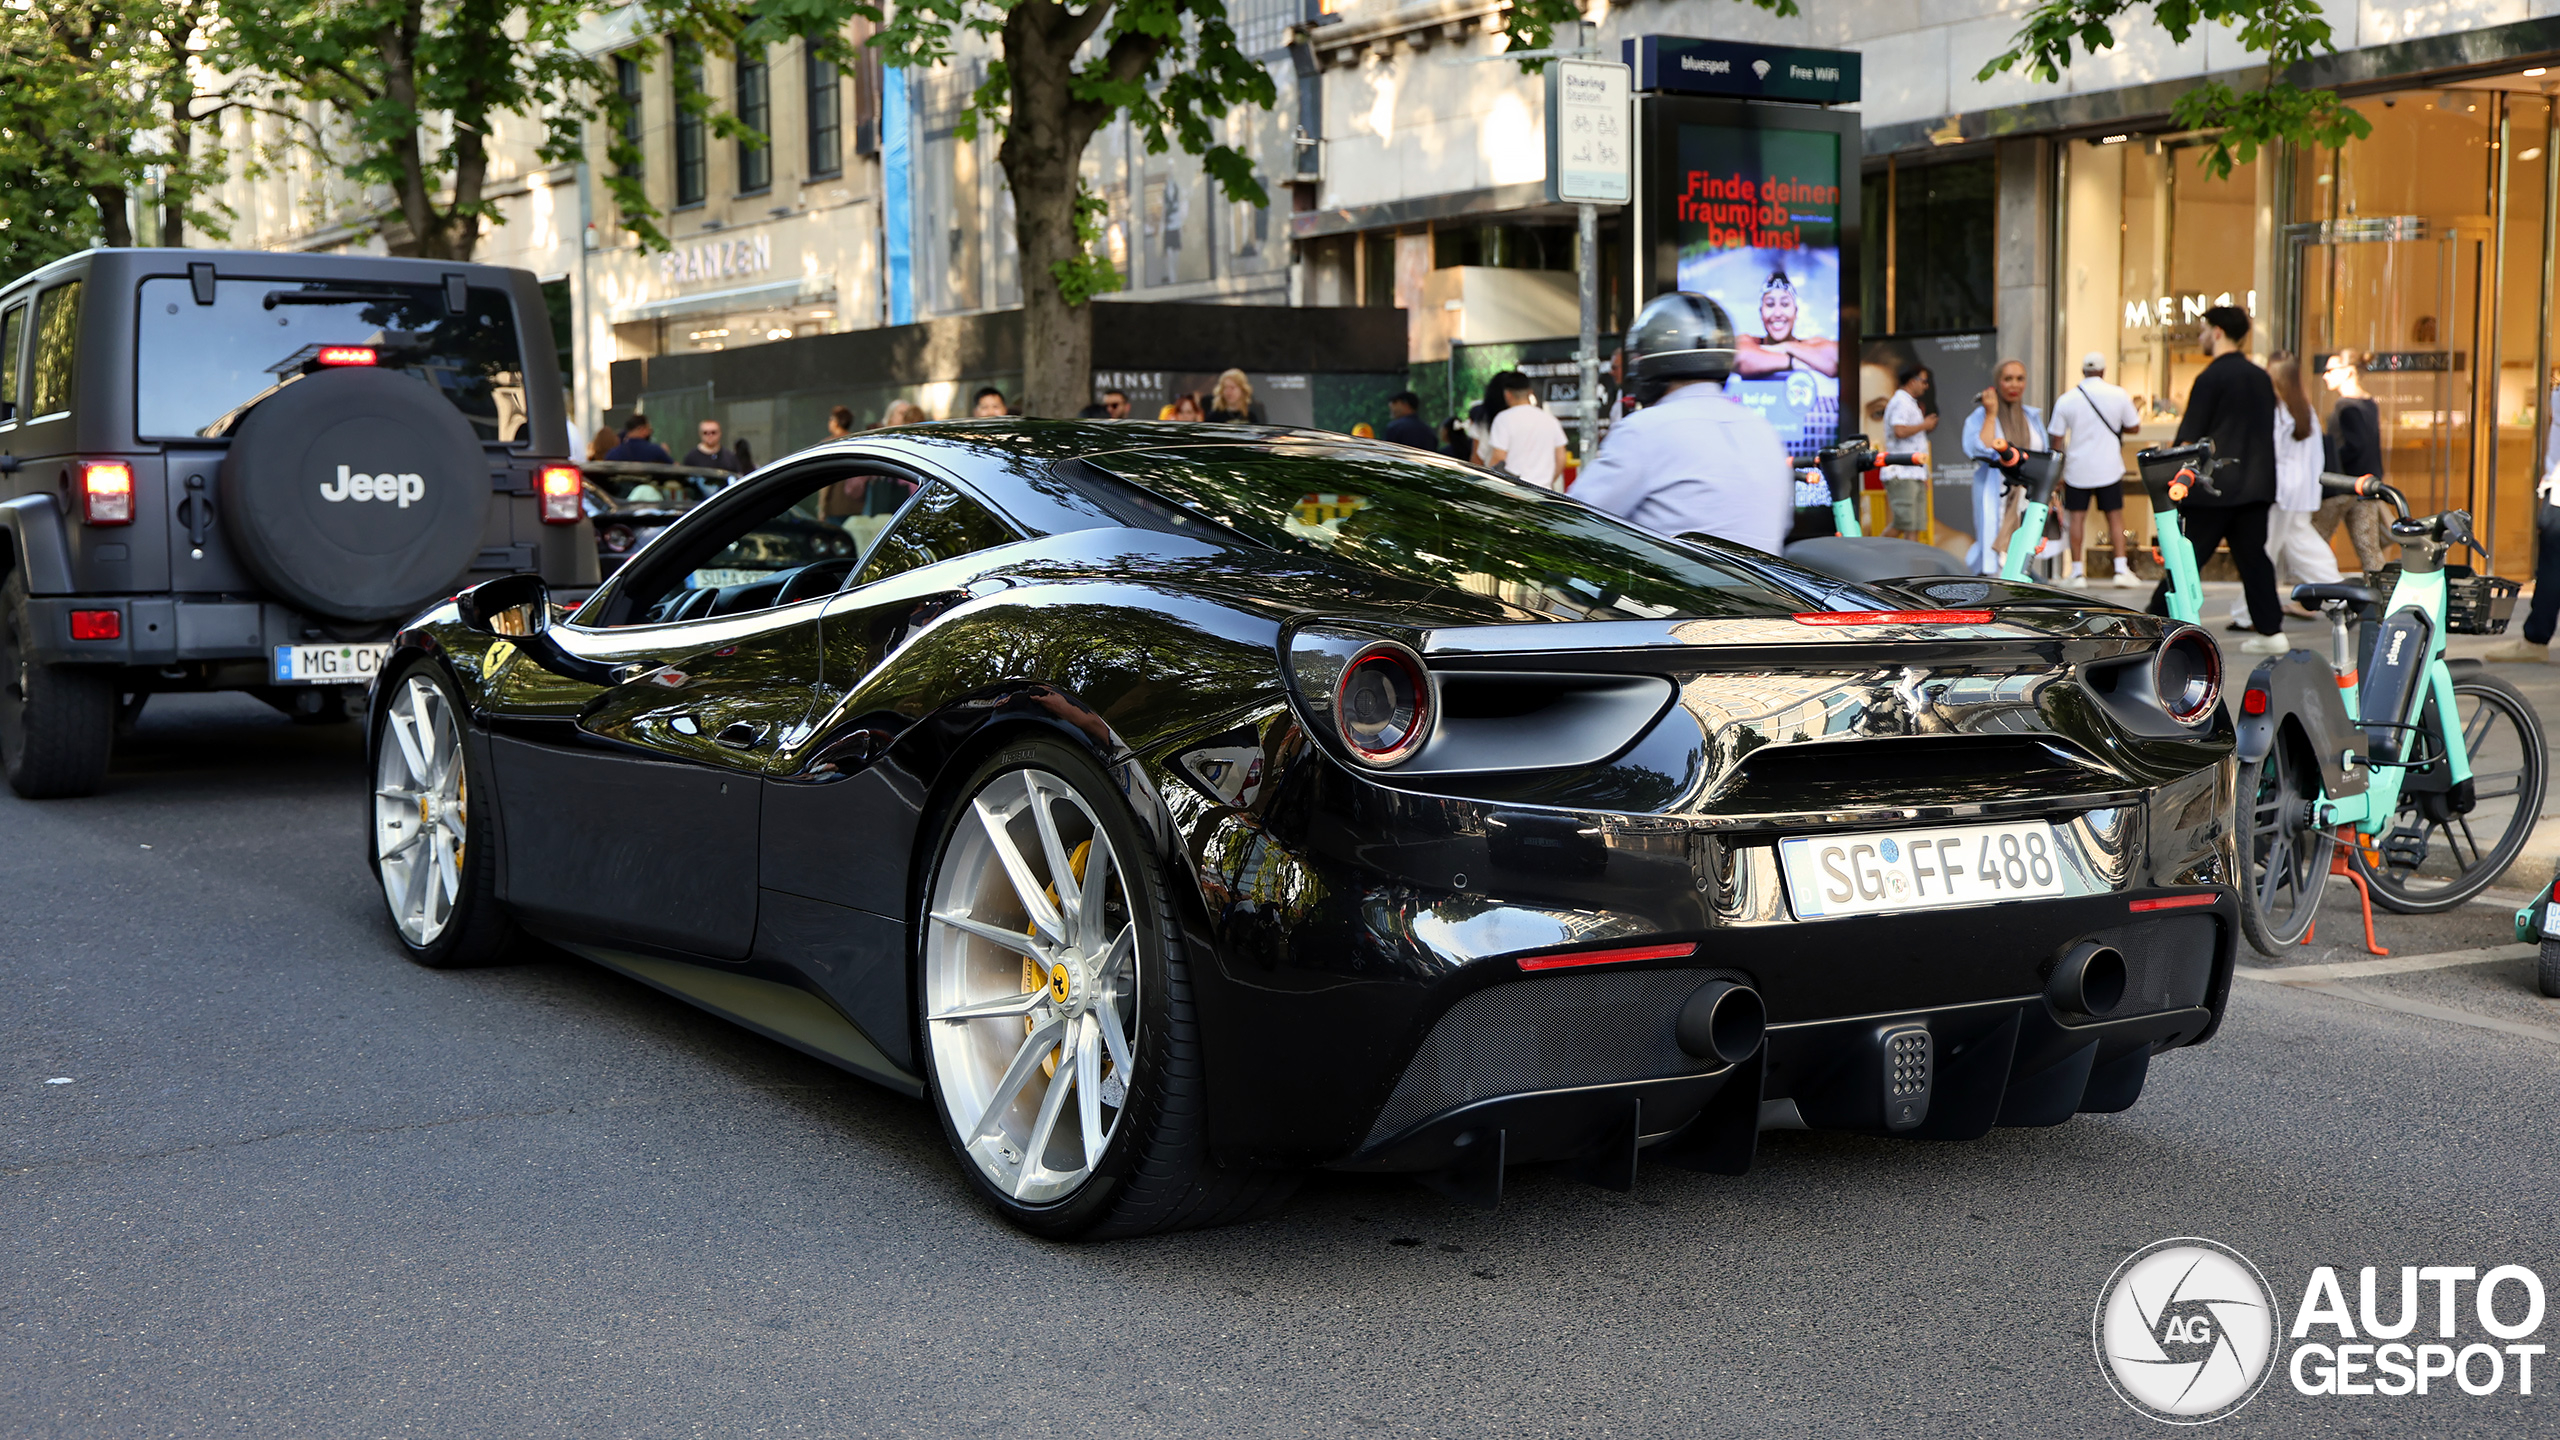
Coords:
pixel 2370 487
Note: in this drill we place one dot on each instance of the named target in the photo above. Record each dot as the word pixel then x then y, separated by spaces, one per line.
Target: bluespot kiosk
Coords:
pixel 1746 191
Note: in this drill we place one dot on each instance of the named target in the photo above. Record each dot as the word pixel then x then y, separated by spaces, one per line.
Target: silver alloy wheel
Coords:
pixel 1031 985
pixel 419 810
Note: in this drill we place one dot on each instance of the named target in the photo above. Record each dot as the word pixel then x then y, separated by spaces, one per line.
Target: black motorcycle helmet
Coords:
pixel 1678 336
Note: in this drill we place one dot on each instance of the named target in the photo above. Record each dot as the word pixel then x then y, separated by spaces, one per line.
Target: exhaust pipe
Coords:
pixel 1723 1021
pixel 2089 980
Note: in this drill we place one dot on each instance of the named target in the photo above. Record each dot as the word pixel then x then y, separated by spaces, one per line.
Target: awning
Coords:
pixel 807 290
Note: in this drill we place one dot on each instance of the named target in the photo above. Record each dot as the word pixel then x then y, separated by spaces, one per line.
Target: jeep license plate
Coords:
pixel 328 664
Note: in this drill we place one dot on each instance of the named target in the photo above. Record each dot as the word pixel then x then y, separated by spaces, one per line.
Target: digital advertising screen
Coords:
pixel 1755 222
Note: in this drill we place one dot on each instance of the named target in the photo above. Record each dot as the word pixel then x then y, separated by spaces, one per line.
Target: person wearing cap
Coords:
pixel 2088 422
pixel 1693 460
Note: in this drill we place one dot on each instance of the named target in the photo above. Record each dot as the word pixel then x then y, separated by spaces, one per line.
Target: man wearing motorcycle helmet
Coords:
pixel 1693 459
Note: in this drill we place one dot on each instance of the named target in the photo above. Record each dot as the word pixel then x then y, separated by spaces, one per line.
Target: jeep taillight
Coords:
pixel 106 492
pixel 348 355
pixel 563 494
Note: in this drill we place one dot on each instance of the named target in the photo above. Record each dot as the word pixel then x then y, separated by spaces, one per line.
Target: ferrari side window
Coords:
pixel 944 524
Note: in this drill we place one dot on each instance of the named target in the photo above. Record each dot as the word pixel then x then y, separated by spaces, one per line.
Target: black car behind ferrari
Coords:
pixel 1182 807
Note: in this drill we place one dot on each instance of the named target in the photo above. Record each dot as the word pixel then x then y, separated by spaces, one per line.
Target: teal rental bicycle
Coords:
pixel 2428 774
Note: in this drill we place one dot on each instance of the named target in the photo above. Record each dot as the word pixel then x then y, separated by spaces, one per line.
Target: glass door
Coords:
pixel 2407 303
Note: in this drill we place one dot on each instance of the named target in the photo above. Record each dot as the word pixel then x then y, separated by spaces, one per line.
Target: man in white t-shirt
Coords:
pixel 2087 422
pixel 1906 430
pixel 1524 439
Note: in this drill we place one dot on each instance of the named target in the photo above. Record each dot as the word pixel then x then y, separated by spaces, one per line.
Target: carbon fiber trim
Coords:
pixel 2168 962
pixel 1547 1034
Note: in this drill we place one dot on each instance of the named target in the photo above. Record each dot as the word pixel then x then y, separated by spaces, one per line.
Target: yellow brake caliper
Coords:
pixel 1033 979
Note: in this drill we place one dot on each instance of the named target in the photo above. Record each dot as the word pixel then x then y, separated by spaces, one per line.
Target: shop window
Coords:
pixel 826 115
pixel 1503 247
pixel 692 181
pixel 755 111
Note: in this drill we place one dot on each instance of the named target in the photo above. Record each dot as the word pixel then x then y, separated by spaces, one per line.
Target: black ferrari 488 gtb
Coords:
pixel 1181 807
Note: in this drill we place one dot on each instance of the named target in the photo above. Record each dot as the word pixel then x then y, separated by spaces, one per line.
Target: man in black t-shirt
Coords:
pixel 2234 404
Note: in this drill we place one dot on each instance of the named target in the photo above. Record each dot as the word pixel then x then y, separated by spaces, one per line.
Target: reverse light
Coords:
pixel 96 625
pixel 1618 956
pixel 2186 674
pixel 1382 705
pixel 1894 617
pixel 347 355
pixel 563 495
pixel 106 492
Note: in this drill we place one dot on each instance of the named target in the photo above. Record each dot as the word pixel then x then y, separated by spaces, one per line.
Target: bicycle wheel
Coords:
pixel 2434 858
pixel 2287 857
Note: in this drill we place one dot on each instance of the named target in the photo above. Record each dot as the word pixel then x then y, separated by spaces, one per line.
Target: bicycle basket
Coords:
pixel 2473 604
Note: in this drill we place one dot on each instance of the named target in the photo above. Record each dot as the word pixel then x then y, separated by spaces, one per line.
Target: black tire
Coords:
pixel 477 930
pixel 57 722
pixel 1156 1173
pixel 2547 974
pixel 2457 866
pixel 2284 857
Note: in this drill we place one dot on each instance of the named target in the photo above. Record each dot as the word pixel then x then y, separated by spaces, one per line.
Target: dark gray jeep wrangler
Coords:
pixel 237 470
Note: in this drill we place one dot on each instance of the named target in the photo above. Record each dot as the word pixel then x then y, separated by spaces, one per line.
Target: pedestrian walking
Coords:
pixel 2002 421
pixel 1907 427
pixel 840 422
pixel 1235 404
pixel 988 404
pixel 1693 460
pixel 1405 424
pixel 2089 427
pixel 1524 440
pixel 2233 404
pixel 2301 557
pixel 903 412
pixel 2543 617
pixel 1186 407
pixel 636 445
pixel 602 445
pixel 2355 448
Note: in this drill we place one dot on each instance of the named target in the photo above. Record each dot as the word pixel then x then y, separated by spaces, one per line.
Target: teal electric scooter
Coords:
pixel 1843 466
pixel 2036 472
pixel 2171 473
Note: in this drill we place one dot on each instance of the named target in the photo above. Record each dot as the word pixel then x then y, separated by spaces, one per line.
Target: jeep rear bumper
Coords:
pixel 163 630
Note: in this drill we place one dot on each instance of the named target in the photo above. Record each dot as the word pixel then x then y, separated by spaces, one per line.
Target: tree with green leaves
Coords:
pixel 2286 32
pixel 105 102
pixel 1060 74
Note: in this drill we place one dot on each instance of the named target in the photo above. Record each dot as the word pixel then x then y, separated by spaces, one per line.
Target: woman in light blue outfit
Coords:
pixel 2001 414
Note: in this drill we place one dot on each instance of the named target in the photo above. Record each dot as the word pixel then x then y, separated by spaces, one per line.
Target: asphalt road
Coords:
pixel 297 1186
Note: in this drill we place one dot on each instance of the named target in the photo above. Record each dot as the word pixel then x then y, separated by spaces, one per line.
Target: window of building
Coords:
pixel 1378 269
pixel 755 110
pixel 826 115
pixel 692 179
pixel 1503 247
pixel 1926 267
pixel 626 79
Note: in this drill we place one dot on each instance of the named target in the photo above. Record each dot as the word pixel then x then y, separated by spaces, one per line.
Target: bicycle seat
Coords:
pixel 2350 594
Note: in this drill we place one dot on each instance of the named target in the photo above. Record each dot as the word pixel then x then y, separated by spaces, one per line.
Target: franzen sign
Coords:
pixel 717 260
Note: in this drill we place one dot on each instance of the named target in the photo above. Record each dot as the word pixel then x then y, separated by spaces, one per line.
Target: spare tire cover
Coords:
pixel 360 494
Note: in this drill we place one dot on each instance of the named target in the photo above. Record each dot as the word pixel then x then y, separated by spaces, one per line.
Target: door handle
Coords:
pixel 740 735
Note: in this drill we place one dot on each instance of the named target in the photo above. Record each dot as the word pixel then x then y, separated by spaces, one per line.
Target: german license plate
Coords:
pixel 1871 872
pixel 328 664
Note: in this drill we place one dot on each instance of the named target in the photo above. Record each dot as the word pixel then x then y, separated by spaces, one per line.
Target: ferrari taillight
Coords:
pixel 106 492
pixel 1894 617
pixel 563 493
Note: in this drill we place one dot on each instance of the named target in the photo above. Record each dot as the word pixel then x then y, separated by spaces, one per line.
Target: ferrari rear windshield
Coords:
pixel 1421 517
pixel 196 366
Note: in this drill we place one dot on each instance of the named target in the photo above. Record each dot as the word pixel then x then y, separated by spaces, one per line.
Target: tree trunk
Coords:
pixel 114 230
pixel 1042 153
pixel 397 44
pixel 182 144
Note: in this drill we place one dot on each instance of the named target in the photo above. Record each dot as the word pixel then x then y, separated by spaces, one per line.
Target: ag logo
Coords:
pixel 2185 1331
